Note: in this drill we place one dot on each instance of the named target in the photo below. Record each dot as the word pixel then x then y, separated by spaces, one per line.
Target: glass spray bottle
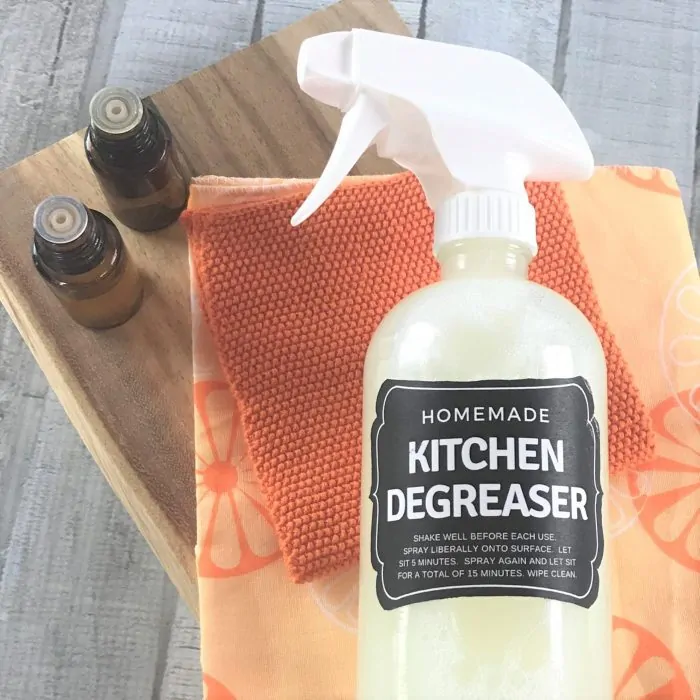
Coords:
pixel 483 571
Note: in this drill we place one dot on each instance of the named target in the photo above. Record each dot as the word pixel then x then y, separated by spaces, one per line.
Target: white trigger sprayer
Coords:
pixel 472 125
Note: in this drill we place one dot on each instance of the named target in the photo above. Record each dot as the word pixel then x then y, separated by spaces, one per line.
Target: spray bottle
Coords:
pixel 482 568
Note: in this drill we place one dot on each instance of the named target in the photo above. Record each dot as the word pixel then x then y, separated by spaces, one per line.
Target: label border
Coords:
pixel 483 589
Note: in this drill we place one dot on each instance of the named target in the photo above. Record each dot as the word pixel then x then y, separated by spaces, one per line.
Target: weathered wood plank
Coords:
pixel 103 50
pixel 47 47
pixel 410 11
pixel 526 29
pixel 632 80
pixel 182 679
pixel 80 596
pixel 277 14
pixel 161 41
pixel 22 392
pixel 695 195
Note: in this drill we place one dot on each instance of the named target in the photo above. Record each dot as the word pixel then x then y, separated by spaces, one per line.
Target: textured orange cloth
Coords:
pixel 292 312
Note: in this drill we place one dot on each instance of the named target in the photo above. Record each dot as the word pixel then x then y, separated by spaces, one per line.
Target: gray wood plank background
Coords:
pixel 85 609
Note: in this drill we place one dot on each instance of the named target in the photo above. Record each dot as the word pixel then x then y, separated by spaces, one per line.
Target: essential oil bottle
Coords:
pixel 131 150
pixel 81 255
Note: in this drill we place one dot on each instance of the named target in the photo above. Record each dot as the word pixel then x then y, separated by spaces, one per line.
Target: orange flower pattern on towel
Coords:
pixel 227 490
pixel 679 340
pixel 213 690
pixel 625 496
pixel 337 595
pixel 651 179
pixel 669 509
pixel 651 671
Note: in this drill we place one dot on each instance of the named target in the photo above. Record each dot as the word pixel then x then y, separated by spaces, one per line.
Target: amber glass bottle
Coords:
pixel 131 150
pixel 81 255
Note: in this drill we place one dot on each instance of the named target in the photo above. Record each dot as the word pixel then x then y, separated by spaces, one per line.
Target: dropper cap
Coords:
pixel 115 112
pixel 67 237
pixel 60 220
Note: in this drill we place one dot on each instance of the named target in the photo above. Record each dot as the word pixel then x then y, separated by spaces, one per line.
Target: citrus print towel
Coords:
pixel 265 637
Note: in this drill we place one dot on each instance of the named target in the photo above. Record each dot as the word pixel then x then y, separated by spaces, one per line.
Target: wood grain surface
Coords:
pixel 128 390
pixel 632 80
pixel 526 29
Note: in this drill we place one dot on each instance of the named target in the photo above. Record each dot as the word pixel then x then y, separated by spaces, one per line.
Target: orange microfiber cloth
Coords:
pixel 292 311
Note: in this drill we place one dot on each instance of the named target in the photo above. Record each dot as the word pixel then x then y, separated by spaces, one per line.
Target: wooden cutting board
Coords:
pixel 128 390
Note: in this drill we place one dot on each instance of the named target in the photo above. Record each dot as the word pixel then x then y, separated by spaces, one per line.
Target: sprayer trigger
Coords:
pixel 360 126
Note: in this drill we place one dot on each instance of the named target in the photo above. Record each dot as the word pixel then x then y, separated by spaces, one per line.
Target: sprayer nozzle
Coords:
pixel 323 70
pixel 303 213
pixel 358 130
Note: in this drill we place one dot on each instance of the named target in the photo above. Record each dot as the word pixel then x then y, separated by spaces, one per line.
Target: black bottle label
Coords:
pixel 488 488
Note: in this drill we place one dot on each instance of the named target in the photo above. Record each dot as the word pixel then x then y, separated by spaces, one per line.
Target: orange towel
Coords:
pixel 292 312
pixel 266 637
